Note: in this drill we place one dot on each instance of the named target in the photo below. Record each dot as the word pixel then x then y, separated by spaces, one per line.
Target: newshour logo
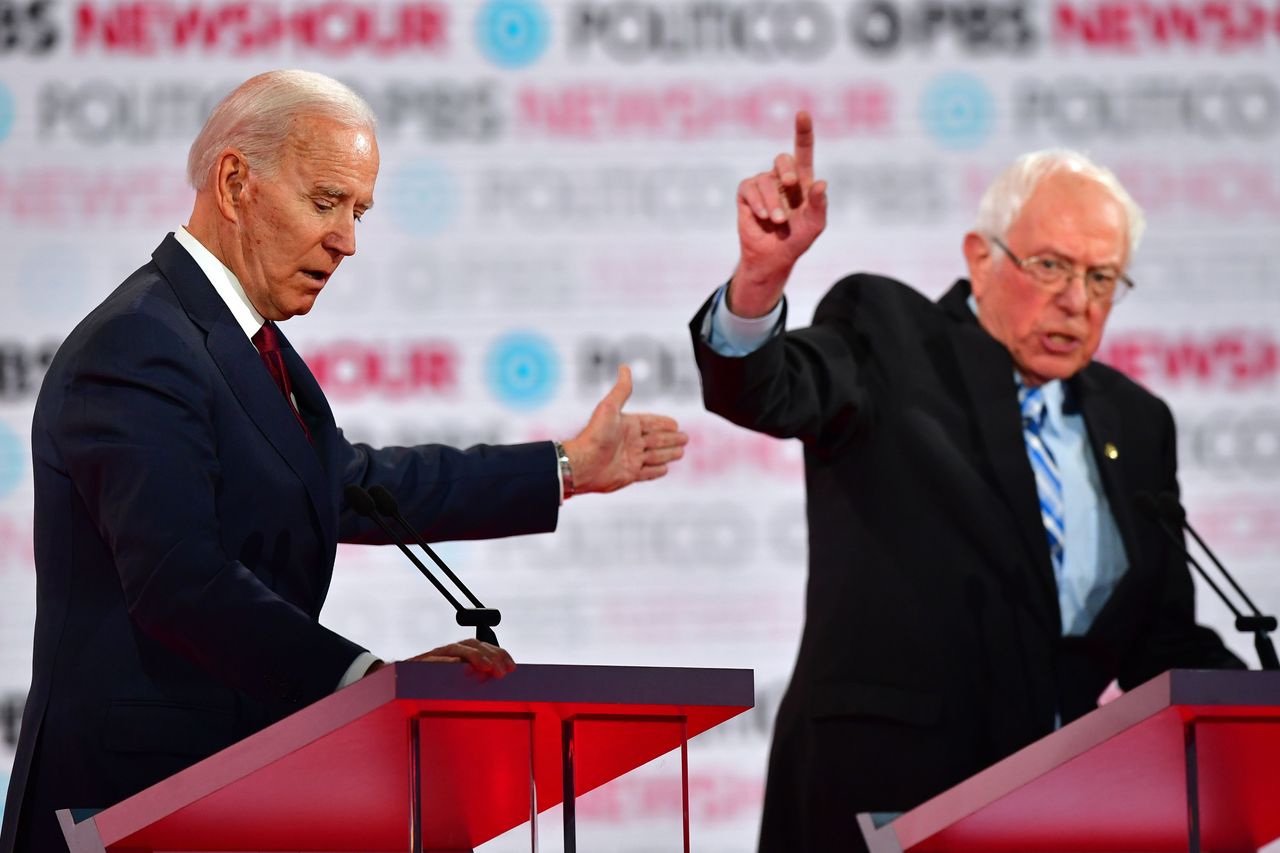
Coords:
pixel 241 28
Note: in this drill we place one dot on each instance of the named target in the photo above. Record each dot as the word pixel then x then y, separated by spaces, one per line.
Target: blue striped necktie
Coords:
pixel 1048 480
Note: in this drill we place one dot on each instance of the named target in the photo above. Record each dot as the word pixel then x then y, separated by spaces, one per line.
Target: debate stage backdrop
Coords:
pixel 557 197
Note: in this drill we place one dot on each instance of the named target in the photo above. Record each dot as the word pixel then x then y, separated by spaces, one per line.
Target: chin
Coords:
pixel 1050 369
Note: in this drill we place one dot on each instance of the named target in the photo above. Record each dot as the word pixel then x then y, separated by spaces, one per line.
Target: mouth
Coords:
pixel 1059 342
pixel 318 276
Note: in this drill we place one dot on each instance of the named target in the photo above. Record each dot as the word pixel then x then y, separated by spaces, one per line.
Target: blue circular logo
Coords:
pixel 523 369
pixel 958 110
pixel 6 112
pixel 13 457
pixel 423 198
pixel 512 33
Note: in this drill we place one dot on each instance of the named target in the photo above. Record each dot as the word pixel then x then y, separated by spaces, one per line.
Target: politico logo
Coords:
pixel 1232 444
pixel 334 28
pixel 1212 106
pixel 523 370
pixel 958 111
pixel 512 33
pixel 660 368
pixel 702 30
pixel 100 110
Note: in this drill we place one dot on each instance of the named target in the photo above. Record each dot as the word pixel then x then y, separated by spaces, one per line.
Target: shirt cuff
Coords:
pixel 358 668
pixel 734 336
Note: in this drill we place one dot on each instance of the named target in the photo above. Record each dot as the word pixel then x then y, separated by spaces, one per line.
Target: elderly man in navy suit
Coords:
pixel 189 474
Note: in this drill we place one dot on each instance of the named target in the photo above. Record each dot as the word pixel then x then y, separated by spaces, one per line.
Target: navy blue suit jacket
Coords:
pixel 185 533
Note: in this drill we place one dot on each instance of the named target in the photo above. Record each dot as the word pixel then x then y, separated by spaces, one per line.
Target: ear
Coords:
pixel 231 177
pixel 979 255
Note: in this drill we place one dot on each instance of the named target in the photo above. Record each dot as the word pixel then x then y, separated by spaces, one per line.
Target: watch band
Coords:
pixel 566 471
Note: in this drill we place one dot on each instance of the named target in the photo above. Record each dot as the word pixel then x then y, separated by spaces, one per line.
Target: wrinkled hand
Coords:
pixel 489 661
pixel 780 213
pixel 616 449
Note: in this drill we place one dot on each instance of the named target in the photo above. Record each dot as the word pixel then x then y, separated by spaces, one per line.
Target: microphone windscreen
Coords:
pixel 384 500
pixel 359 500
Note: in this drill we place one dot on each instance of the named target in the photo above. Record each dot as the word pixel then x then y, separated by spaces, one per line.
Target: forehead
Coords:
pixel 327 154
pixel 1074 215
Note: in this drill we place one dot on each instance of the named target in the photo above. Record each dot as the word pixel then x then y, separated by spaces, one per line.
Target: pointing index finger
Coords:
pixel 804 146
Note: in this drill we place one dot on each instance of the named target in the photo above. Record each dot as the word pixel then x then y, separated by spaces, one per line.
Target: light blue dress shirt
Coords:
pixel 1094 559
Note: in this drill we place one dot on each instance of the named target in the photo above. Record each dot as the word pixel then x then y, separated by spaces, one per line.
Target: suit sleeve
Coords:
pixel 1170 637
pixel 135 435
pixel 812 384
pixel 483 492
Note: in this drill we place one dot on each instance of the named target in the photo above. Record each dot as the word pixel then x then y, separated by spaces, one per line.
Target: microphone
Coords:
pixel 1165 509
pixel 480 617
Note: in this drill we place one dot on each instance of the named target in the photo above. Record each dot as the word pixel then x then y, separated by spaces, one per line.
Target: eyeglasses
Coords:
pixel 1054 274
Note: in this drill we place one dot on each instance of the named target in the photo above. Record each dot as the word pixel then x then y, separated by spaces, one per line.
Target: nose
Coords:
pixel 1074 298
pixel 342 238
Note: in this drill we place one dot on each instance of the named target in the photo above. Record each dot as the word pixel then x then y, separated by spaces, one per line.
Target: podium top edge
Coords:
pixel 647 685
pixel 1218 687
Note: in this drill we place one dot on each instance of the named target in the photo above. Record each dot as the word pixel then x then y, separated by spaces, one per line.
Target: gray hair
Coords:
pixel 258 116
pixel 1002 202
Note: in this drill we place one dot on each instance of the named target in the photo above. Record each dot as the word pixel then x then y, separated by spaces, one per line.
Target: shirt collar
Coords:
pixel 224 281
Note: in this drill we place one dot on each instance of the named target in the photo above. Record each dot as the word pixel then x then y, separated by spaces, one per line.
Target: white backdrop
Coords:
pixel 557 196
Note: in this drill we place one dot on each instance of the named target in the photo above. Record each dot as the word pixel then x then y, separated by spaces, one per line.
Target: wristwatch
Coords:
pixel 566 470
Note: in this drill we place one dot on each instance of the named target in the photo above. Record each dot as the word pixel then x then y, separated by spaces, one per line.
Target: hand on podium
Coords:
pixel 488 660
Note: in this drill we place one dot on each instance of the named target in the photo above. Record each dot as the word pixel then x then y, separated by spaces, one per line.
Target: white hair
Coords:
pixel 259 114
pixel 1003 201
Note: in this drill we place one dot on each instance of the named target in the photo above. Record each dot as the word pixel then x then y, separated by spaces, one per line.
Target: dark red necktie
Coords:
pixel 268 343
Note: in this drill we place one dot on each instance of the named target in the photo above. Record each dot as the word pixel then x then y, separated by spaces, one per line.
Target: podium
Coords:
pixel 423 757
pixel 1189 761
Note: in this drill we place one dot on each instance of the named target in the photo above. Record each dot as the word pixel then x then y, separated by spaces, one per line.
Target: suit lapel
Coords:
pixel 1106 441
pixel 987 372
pixel 242 368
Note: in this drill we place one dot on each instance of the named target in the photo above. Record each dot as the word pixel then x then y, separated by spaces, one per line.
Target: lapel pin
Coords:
pixel 1110 450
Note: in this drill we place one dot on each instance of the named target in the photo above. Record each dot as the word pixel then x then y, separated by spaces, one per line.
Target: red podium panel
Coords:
pixel 340 775
pixel 1190 760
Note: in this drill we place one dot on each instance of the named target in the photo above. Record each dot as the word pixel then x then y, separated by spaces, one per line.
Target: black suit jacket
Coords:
pixel 185 533
pixel 932 645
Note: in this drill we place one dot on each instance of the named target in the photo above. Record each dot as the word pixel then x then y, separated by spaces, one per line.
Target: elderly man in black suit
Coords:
pixel 976 576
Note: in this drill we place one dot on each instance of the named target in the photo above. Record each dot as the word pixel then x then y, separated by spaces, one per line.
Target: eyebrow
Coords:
pixel 337 192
